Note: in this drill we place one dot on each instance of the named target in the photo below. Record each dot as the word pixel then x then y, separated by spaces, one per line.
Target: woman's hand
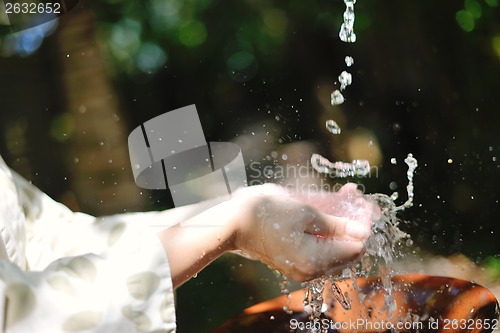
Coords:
pixel 304 235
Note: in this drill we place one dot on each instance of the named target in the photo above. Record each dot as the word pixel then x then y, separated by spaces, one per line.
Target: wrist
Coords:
pixel 247 223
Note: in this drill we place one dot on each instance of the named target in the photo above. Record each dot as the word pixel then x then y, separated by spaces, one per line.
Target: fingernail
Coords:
pixel 356 230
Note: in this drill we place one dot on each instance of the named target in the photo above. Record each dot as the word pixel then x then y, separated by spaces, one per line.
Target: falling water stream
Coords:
pixel 385 237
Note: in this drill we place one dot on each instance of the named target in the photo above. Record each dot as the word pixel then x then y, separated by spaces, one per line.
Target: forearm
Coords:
pixel 194 243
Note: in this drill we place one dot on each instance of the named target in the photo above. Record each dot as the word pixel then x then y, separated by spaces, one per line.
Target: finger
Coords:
pixel 320 256
pixel 350 188
pixel 333 227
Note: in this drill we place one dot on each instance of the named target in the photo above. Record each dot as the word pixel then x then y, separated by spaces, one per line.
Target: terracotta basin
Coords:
pixel 424 304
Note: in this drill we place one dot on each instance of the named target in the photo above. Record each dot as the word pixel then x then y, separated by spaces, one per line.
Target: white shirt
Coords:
pixel 62 271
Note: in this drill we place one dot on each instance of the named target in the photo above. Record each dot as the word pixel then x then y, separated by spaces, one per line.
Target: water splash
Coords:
pixel 322 165
pixel 412 165
pixel 342 298
pixel 332 127
pixel 381 249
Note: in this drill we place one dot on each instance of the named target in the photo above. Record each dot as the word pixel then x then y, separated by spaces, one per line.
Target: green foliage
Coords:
pixel 465 20
pixel 208 26
pixel 493 266
pixel 492 3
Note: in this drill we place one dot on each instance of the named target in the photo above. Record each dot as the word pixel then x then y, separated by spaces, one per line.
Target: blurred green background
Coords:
pixel 426 80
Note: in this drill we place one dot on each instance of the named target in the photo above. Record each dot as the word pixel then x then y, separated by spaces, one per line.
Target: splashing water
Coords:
pixel 332 127
pixel 381 250
pixel 381 245
pixel 358 168
pixel 412 165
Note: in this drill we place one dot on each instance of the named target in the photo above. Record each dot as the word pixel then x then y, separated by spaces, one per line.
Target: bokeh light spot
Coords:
pixel 150 57
pixel 242 66
pixel 275 22
pixel 125 38
pixel 495 42
pixel 473 7
pixel 62 127
pixel 192 33
pixel 465 20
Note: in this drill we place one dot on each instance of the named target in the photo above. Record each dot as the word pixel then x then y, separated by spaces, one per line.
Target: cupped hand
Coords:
pixel 304 235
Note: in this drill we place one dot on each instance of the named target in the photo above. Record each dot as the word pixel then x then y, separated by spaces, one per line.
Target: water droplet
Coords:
pixel 341 298
pixel 137 166
pixel 345 79
pixel 332 127
pixel 346 33
pixel 450 161
pixel 349 61
pixel 284 157
pixel 393 160
pixel 276 226
pixel 268 172
pixel 394 196
pixel 337 98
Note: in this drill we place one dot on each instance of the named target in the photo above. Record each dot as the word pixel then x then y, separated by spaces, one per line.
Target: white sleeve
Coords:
pixel 84 274
pixel 127 288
